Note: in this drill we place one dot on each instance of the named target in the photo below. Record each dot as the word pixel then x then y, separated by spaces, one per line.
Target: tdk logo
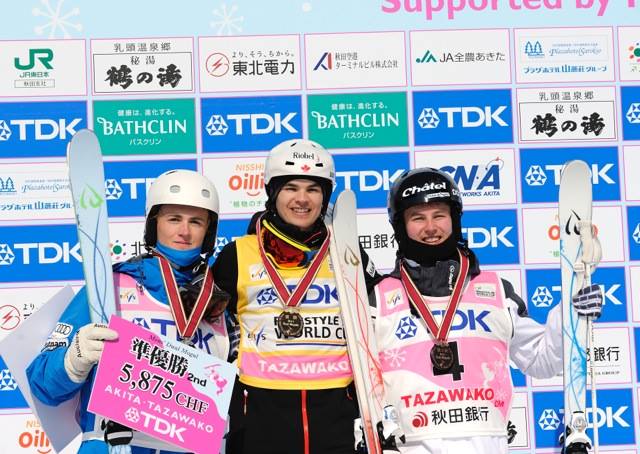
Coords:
pixel 406 328
pixel 633 219
pixel 126 185
pixel 266 296
pixel 36 129
pixel 542 170
pixel 462 116
pixel 426 187
pixel 493 235
pixel 544 290
pixel 254 124
pixel 613 417
pixel 249 124
pixel 467 117
pixel 542 297
pixel 40 129
pixel 630 107
pixel 369 175
pixel 54 256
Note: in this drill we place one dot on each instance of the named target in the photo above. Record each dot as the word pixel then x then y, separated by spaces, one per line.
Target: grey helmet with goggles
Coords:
pixel 182 187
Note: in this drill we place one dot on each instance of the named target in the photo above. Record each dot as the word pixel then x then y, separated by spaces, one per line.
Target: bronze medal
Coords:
pixel 290 323
pixel 442 356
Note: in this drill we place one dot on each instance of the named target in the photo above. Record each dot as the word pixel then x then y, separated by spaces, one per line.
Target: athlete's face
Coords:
pixel 428 223
pixel 182 227
pixel 299 202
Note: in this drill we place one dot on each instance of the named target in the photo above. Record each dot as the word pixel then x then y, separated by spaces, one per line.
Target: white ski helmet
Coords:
pixel 182 187
pixel 299 158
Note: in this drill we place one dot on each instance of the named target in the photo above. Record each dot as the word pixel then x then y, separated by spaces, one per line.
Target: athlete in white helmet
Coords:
pixel 294 393
pixel 448 336
pixel 180 231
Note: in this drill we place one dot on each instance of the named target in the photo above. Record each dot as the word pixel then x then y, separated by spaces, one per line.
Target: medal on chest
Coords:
pixel 290 321
pixel 443 354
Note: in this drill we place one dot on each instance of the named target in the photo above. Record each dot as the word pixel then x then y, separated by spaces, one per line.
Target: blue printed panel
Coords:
pixel 630 113
pixel 36 129
pixel 544 291
pixel 462 117
pixel 369 176
pixel 615 417
pixel 249 124
pixel 541 168
pixel 633 219
pixel 40 253
pixel 127 183
pixel 493 235
pixel 10 395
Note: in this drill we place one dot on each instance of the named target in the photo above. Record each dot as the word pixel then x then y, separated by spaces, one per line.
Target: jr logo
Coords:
pixel 44 56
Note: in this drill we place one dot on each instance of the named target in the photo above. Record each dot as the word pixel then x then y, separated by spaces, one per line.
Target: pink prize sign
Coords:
pixel 163 388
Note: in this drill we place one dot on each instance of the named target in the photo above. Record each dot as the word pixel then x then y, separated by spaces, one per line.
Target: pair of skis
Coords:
pixel 576 264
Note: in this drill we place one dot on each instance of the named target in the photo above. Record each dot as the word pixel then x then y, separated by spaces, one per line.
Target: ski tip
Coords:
pixel 82 139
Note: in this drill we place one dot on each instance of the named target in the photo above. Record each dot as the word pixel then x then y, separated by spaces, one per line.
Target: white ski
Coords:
pixel 574 212
pixel 86 176
pixel 354 304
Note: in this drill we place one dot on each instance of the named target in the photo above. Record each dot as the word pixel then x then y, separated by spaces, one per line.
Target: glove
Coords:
pixel 85 350
pixel 588 301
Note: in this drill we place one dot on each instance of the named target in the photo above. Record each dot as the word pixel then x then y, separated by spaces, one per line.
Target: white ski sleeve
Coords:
pixel 537 349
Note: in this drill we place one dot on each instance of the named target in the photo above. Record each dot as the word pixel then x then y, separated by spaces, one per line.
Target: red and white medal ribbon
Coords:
pixel 292 299
pixel 186 326
pixel 439 333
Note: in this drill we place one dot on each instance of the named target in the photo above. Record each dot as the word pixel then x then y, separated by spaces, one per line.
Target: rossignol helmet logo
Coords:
pixel 424 188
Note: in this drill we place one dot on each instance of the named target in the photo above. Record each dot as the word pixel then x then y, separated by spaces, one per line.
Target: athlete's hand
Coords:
pixel 85 350
pixel 588 301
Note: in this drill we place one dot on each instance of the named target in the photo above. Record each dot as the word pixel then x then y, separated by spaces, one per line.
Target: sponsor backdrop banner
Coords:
pixel 499 94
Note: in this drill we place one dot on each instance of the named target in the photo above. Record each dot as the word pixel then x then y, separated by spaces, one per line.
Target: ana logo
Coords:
pixel 535 176
pixel 635 236
pixel 7 186
pixel 112 189
pixel 5 131
pixel 477 177
pixel 216 126
pixel 266 296
pixel 44 56
pixel 533 49
pixel 325 62
pixel 426 58
pixel 217 64
pixel 406 328
pixel 132 415
pixel 633 114
pixel 428 118
pixel 542 297
pixel 420 419
pixel 549 420
pixel 6 255
pixel 7 382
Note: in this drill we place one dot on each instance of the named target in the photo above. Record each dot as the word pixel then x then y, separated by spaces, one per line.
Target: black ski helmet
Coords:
pixel 423 185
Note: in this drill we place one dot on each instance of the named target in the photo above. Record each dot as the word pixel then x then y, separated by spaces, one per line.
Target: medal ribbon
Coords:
pixel 415 298
pixel 186 327
pixel 292 300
